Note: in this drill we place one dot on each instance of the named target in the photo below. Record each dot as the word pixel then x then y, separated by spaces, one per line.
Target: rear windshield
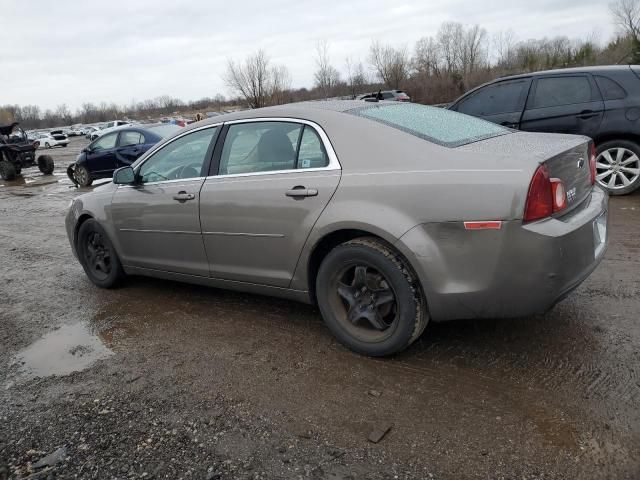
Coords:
pixel 436 125
pixel 164 130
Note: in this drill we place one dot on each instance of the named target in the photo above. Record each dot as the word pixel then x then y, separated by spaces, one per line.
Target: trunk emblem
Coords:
pixel 571 194
pixel 580 162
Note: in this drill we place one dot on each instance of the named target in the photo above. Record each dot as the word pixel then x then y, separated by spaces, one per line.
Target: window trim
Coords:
pixel 334 163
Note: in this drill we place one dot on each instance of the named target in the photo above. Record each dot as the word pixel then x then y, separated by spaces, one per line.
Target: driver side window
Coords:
pixel 105 143
pixel 183 158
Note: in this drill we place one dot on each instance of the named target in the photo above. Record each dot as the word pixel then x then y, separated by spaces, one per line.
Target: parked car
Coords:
pixel 52 139
pixel 437 216
pixel 89 131
pixel 600 102
pixel 391 95
pixel 116 149
pixel 108 127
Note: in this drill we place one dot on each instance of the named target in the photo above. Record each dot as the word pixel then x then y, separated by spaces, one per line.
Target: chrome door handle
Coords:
pixel 300 191
pixel 184 196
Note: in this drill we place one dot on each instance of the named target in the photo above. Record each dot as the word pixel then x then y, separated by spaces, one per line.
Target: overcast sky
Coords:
pixel 117 51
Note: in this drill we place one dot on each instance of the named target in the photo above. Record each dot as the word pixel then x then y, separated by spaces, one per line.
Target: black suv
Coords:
pixel 600 102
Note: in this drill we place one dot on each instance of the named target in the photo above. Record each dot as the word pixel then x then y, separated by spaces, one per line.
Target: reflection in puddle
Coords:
pixel 71 348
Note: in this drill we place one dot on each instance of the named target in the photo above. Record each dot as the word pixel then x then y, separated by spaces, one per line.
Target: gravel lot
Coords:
pixel 163 380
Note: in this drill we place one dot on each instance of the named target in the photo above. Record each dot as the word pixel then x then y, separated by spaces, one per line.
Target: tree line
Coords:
pixel 436 69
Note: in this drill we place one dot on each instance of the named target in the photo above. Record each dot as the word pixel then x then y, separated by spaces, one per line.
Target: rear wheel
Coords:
pixel 7 170
pixel 369 298
pixel 45 164
pixel 97 255
pixel 46 145
pixel 618 166
pixel 82 176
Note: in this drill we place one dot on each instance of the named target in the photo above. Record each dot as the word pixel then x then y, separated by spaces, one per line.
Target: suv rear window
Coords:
pixel 436 125
pixel 565 90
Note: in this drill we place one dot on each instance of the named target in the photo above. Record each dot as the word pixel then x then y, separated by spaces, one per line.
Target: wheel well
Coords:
pixel 83 218
pixel 618 136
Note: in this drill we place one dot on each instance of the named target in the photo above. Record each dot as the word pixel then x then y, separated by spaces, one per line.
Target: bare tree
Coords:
pixel 427 58
pixel 504 45
pixel 326 76
pixel 280 85
pixel 356 76
pixel 626 14
pixel 391 64
pixel 251 79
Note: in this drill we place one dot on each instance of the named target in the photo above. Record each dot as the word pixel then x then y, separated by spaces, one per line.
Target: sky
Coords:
pixel 118 51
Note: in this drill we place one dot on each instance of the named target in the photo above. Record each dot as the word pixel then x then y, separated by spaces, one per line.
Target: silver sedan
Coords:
pixel 386 215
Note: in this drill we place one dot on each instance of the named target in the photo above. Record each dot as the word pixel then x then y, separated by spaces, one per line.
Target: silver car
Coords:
pixel 386 215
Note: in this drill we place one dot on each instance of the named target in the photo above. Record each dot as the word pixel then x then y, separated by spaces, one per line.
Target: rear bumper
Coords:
pixel 516 271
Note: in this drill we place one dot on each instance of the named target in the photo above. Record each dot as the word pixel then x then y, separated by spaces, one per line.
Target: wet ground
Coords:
pixel 164 380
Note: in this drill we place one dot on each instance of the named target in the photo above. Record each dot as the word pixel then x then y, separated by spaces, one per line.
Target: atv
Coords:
pixel 18 152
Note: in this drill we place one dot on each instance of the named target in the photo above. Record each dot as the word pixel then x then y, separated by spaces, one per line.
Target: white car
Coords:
pixel 51 139
pixel 108 128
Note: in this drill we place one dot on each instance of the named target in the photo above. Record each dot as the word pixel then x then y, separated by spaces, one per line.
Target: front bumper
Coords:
pixel 516 271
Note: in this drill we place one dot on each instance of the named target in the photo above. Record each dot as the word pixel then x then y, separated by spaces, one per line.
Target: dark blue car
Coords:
pixel 116 149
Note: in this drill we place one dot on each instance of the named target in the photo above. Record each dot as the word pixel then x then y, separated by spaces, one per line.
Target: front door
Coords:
pixel 274 180
pixel 101 155
pixel 564 104
pixel 157 219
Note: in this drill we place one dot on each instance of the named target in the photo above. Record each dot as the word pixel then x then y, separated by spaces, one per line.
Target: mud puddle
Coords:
pixel 68 349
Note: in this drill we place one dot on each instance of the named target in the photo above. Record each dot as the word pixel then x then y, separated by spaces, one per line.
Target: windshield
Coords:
pixel 164 130
pixel 436 125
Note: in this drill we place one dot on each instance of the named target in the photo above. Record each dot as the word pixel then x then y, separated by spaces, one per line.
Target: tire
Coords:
pixel 82 176
pixel 354 286
pixel 618 166
pixel 45 164
pixel 46 145
pixel 97 255
pixel 7 170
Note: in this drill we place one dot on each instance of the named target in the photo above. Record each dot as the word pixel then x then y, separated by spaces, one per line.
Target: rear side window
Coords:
pixel 436 125
pixel 503 97
pixel 609 89
pixel 554 91
pixel 130 138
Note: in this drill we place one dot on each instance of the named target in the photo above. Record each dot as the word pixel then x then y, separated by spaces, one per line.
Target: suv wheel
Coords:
pixel 7 170
pixel 45 164
pixel 618 166
pixel 97 255
pixel 369 298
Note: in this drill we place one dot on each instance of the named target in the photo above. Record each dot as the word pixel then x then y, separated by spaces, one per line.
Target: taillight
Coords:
pixel 546 196
pixel 592 163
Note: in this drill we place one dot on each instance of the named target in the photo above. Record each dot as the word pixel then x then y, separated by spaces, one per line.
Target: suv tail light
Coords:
pixel 546 196
pixel 592 163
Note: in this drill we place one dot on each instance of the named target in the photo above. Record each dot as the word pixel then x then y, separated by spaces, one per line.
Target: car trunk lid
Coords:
pixel 565 156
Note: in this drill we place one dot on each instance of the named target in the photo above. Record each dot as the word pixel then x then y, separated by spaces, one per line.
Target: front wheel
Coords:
pixel 46 145
pixel 7 170
pixel 369 298
pixel 97 255
pixel 82 176
pixel 45 164
pixel 618 166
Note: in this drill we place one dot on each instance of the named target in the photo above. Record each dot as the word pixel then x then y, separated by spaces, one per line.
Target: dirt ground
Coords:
pixel 164 380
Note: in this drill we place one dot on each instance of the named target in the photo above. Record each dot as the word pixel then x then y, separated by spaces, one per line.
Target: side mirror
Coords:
pixel 124 176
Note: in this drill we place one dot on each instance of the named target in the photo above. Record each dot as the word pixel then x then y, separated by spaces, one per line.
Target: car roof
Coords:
pixel 568 71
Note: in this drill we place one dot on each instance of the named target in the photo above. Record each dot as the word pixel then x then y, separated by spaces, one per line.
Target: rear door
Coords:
pixel 131 145
pixel 101 158
pixel 501 102
pixel 273 180
pixel 564 104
